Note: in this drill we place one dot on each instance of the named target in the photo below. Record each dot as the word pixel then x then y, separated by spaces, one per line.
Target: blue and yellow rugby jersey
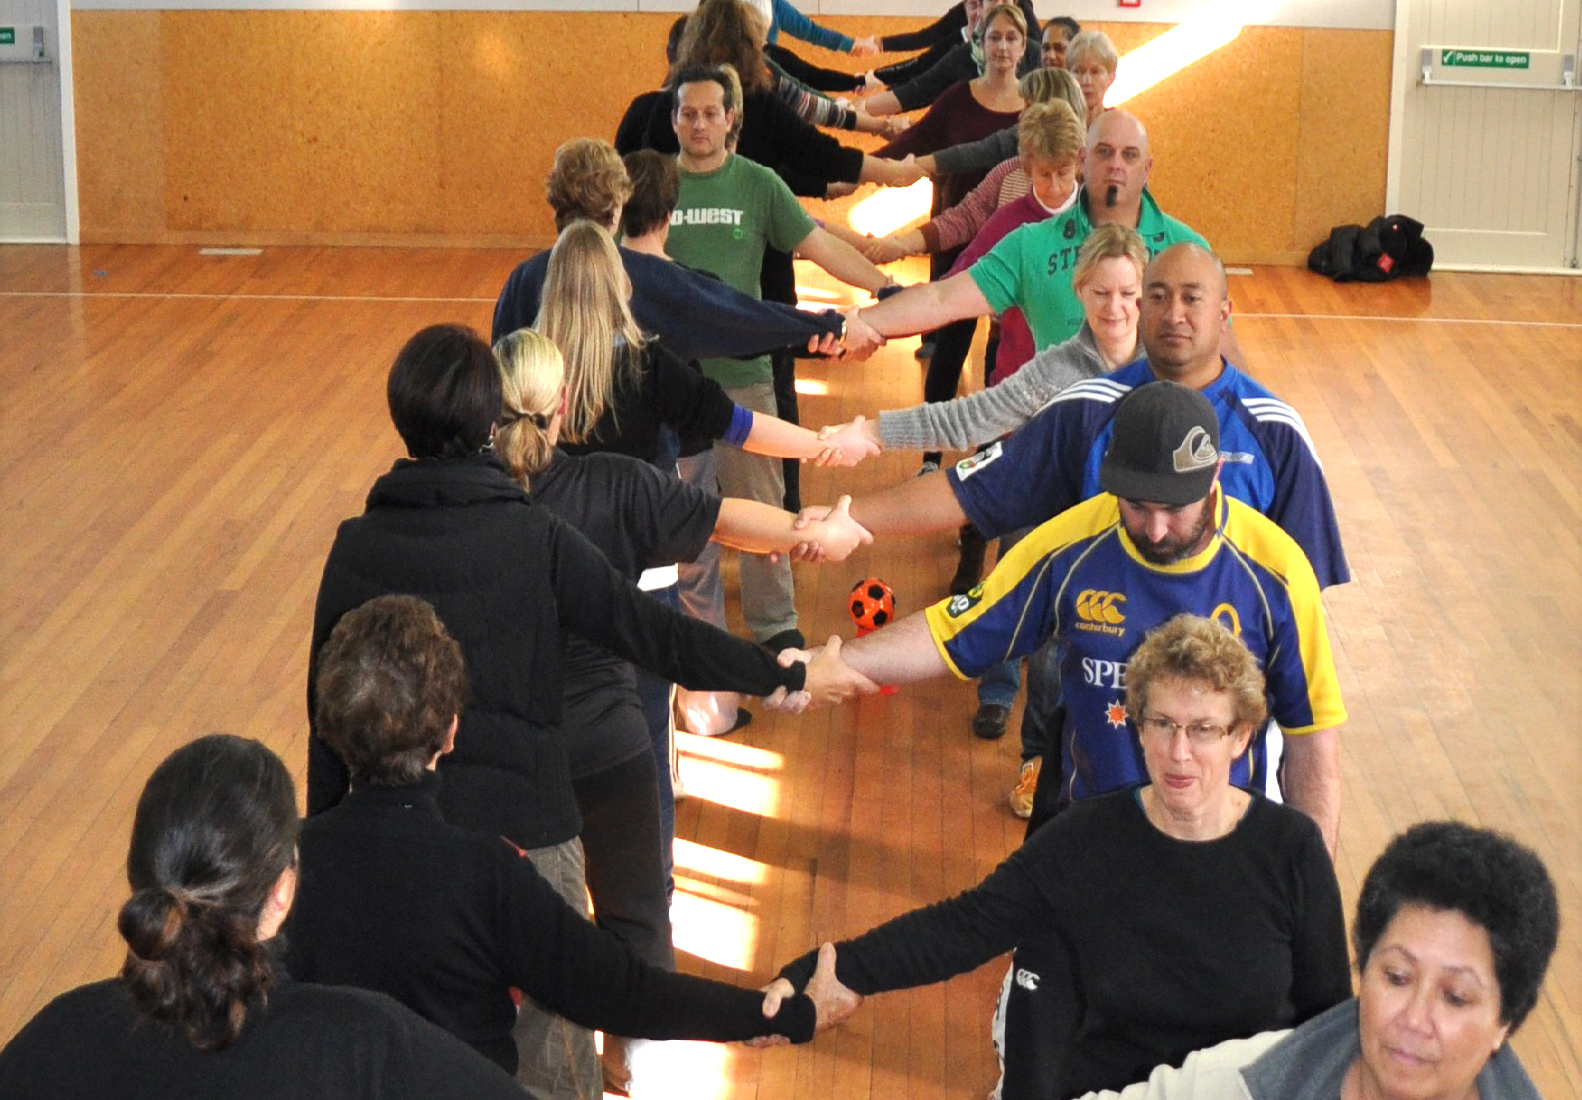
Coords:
pixel 1052 462
pixel 1079 578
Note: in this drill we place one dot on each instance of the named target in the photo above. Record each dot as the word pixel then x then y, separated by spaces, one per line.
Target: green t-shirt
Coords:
pixel 722 222
pixel 1031 266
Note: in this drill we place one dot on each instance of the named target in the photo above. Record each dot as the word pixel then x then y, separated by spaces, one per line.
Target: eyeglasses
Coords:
pixel 1161 728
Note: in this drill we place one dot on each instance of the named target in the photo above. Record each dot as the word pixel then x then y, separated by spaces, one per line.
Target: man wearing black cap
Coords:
pixel 1162 538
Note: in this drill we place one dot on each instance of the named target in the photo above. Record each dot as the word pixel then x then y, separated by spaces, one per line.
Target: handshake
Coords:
pixel 857 342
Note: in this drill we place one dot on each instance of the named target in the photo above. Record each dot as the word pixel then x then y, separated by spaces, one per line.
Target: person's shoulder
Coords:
pixel 1264 542
pixel 1281 827
pixel 95 1005
pixel 1264 412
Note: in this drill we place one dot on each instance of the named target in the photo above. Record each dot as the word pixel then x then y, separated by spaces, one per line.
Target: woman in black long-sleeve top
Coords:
pixel 202 1007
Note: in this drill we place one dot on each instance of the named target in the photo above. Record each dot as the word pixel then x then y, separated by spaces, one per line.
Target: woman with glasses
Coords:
pixel 1192 911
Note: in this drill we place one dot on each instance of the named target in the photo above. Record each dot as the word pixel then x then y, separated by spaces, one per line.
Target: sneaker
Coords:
pixel 1026 784
pixel 924 352
pixel 989 722
pixel 929 467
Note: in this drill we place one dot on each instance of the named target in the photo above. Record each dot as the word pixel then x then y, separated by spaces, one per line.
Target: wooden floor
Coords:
pixel 180 434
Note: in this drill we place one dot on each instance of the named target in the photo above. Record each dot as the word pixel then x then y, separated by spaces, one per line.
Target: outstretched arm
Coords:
pixel 760 528
pixel 916 309
pixel 901 653
pixel 841 260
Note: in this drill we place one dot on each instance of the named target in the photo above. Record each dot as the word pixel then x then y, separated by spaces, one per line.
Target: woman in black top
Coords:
pixel 202 1007
pixel 641 519
pixel 1190 911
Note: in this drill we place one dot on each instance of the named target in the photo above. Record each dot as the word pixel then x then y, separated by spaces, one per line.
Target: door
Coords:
pixel 1486 129
pixel 32 176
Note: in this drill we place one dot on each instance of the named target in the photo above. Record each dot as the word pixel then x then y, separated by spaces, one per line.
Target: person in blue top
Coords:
pixel 1031 267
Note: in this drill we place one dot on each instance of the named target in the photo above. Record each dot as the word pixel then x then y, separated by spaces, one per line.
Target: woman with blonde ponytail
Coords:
pixel 641 518
pixel 202 1006
pixel 623 387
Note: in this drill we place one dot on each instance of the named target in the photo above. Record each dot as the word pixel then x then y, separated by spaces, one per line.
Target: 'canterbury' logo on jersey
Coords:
pixel 1196 452
pixel 1102 609
pixel 708 215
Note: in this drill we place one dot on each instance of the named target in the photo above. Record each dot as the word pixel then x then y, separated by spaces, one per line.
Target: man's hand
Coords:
pixel 830 680
pixel 862 339
pixel 823 343
pixel 928 165
pixel 895 126
pixel 906 171
pixel 839 534
pixel 870 83
pixel 859 437
pixel 833 1003
pixel 885 250
pixel 838 189
pixel 849 448
pixel 865 47
pixel 876 250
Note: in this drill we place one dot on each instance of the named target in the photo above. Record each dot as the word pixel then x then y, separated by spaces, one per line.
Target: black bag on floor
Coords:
pixel 1388 248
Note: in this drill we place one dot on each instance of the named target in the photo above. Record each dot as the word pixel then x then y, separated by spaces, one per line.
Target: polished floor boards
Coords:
pixel 179 435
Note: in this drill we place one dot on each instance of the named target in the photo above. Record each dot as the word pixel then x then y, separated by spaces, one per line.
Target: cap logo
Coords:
pixel 1197 450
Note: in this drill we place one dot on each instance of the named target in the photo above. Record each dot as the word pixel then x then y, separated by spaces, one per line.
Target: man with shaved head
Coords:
pixel 1031 267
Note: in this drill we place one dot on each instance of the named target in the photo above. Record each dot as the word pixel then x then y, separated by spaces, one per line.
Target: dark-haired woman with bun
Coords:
pixel 201 1007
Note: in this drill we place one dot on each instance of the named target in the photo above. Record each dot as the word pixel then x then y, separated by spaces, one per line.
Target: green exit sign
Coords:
pixel 7 36
pixel 1486 59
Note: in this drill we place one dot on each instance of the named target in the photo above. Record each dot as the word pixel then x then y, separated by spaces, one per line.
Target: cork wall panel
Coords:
pixel 308 121
pixel 116 70
pixel 518 85
pixel 405 125
pixel 1224 137
pixel 1345 132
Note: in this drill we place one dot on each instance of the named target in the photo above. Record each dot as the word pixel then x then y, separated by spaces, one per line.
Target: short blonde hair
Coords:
pixel 1049 131
pixel 1049 85
pixel 1109 242
pixel 1190 647
pixel 587 180
pixel 532 377
pixel 1096 44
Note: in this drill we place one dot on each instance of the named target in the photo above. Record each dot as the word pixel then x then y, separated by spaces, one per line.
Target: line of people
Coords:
pixel 496 637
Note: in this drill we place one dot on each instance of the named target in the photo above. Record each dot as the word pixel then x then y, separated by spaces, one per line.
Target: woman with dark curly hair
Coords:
pixel 1455 928
pixel 202 1008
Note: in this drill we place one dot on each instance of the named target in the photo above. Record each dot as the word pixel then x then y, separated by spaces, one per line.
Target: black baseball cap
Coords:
pixel 1165 447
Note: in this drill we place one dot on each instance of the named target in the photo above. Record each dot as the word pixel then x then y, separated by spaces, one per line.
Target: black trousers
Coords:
pixel 620 838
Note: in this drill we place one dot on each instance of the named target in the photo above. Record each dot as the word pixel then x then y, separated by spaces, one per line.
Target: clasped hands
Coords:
pixel 829 681
pixel 833 1002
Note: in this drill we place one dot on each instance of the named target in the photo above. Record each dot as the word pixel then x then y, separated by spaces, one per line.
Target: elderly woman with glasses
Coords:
pixel 1192 911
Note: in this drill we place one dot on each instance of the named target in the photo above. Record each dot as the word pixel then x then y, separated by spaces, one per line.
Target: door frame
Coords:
pixel 68 121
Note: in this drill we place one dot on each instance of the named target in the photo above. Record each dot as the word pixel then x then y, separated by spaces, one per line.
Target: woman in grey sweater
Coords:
pixel 1108 280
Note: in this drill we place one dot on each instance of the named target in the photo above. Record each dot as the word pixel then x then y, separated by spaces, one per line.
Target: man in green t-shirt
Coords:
pixel 1031 267
pixel 729 209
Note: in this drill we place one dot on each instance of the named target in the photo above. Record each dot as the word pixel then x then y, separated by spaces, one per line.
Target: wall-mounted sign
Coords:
pixel 7 36
pixel 1485 59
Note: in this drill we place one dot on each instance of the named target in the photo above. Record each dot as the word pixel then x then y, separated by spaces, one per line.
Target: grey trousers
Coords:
pixel 557 1058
